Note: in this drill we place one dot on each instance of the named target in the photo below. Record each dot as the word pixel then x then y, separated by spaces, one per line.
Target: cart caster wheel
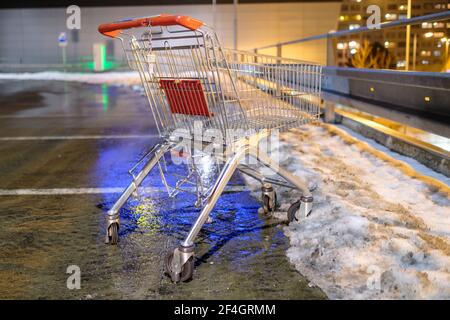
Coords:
pixel 269 199
pixel 299 209
pixel 113 233
pixel 293 212
pixel 187 270
pixel 269 205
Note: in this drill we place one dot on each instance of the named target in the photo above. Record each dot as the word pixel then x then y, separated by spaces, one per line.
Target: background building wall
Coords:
pixel 29 36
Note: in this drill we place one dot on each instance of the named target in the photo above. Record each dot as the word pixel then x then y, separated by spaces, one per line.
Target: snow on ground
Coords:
pixel 375 232
pixel 119 78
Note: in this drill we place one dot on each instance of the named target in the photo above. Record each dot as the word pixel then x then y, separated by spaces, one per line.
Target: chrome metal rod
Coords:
pixel 261 178
pixel 398 23
pixel 267 161
pixel 112 213
pixel 225 175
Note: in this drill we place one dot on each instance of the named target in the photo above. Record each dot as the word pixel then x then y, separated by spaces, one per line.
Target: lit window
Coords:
pixel 340 46
pixel 353 26
pixel 425 53
pixel 427 25
pixel 425 62
pixel 428 34
pixel 353 44
pixel 402 7
pixel 401 63
pixel 436 53
pixel 358 17
pixel 353 51
pixel 439 34
pixel 438 25
pixel 390 16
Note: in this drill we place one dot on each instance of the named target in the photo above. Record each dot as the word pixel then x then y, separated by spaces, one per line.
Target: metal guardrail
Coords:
pixel 385 25
pixel 425 92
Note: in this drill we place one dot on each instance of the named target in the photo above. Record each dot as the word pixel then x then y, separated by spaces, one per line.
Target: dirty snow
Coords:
pixel 375 233
pixel 119 78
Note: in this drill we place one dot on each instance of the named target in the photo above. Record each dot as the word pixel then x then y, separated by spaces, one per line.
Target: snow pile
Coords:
pixel 375 233
pixel 119 78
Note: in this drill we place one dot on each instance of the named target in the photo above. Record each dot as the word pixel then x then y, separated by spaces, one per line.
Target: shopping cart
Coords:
pixel 193 84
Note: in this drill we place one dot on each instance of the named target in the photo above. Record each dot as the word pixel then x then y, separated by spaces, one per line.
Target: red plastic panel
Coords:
pixel 185 97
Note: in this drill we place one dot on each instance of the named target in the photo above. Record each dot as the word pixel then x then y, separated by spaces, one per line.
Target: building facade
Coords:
pixel 429 41
pixel 29 36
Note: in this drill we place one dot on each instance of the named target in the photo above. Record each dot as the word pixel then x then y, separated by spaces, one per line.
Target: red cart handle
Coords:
pixel 115 28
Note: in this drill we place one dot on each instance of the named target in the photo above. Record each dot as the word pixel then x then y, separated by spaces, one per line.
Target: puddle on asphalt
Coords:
pixel 240 255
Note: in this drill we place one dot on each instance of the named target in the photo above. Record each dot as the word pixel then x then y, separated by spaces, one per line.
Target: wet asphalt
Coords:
pixel 240 255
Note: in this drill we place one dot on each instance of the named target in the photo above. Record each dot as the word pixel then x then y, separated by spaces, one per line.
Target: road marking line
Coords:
pixel 71 191
pixel 79 137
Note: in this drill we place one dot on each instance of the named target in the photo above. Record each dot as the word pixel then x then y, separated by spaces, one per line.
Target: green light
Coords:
pixel 107 65
pixel 102 57
pixel 105 97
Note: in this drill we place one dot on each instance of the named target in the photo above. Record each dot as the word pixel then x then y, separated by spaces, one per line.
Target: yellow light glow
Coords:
pixel 444 39
pixel 372 89
pixel 427 99
pixel 428 34
pixel 353 44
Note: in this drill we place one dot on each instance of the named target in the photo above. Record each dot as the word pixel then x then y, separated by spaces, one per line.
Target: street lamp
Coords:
pixel 447 42
pixel 408 35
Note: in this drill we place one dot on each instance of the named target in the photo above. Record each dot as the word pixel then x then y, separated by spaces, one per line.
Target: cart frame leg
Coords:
pixel 306 200
pixel 225 175
pixel 113 213
pixel 291 178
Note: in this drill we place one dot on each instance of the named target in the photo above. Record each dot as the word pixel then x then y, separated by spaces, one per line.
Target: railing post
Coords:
pixel 330 114
pixel 277 72
pixel 408 36
pixel 235 23
pixel 330 59
pixel 279 50
pixel 414 51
